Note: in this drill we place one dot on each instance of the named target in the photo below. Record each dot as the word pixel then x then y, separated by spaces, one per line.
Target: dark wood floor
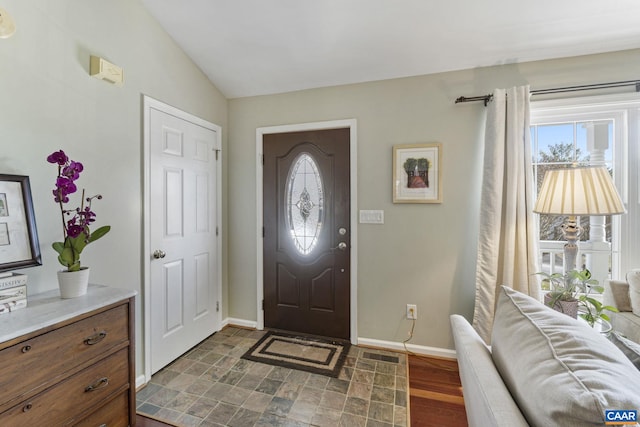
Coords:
pixel 435 393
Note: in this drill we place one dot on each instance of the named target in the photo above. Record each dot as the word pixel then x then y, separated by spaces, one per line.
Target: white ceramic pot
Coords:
pixel 73 283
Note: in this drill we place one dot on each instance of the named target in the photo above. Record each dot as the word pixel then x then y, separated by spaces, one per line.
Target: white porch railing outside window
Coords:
pixel 594 256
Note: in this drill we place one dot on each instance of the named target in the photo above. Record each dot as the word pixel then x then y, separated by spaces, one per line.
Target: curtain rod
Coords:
pixel 487 98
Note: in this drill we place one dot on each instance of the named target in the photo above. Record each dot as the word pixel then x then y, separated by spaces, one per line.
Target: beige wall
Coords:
pixel 423 254
pixel 48 101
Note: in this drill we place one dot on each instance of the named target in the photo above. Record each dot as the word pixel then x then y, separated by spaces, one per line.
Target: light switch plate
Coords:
pixel 371 217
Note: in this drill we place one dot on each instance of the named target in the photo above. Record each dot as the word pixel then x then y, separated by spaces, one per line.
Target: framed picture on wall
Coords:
pixel 417 173
pixel 19 245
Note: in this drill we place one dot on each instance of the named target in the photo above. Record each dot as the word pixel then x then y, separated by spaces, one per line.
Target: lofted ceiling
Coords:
pixel 258 47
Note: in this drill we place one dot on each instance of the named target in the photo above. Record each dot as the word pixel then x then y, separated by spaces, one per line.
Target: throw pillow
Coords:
pixel 620 295
pixel 628 347
pixel 560 371
pixel 633 278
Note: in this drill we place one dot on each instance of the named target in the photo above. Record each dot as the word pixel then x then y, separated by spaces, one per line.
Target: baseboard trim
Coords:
pixel 369 342
pixel 140 381
pixel 413 348
pixel 232 321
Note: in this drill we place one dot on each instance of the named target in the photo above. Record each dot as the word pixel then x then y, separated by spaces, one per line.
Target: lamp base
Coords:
pixel 571 232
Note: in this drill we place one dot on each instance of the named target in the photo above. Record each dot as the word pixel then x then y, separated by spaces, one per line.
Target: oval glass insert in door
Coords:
pixel 304 203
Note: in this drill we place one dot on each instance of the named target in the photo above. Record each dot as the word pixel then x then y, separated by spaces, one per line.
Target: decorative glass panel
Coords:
pixel 304 203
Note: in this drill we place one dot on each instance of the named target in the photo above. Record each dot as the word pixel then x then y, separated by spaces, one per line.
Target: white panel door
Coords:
pixel 183 219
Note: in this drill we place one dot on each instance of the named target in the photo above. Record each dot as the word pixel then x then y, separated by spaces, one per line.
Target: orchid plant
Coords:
pixel 75 222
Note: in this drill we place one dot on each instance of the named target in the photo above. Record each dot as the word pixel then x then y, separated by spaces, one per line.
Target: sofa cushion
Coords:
pixel 628 347
pixel 617 294
pixel 558 369
pixel 633 278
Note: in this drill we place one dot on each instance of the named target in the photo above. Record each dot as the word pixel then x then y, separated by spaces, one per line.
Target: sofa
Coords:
pixel 543 368
pixel 625 296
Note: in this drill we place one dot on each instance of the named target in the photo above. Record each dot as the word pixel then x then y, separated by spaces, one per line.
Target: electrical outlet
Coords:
pixel 412 311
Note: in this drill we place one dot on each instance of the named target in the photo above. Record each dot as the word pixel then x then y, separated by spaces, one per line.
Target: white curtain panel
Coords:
pixel 507 242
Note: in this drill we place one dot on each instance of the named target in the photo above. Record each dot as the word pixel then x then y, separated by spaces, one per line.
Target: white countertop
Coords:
pixel 48 308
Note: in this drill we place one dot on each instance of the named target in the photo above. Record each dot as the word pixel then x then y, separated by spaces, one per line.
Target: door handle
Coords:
pixel 157 254
pixel 342 246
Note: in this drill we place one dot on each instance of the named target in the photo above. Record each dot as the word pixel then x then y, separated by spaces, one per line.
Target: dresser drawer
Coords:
pixel 39 362
pixel 113 414
pixel 78 394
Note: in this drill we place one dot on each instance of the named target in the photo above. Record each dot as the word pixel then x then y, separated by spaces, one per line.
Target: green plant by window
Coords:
pixel 577 285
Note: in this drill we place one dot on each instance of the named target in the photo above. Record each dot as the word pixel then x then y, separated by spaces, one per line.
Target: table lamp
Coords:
pixel 577 191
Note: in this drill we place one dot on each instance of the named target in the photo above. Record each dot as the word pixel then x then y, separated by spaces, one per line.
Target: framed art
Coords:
pixel 417 173
pixel 19 245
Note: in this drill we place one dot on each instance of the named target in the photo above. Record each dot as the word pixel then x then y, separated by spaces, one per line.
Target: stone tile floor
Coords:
pixel 212 386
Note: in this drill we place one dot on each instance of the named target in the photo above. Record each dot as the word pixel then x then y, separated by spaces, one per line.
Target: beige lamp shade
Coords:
pixel 579 191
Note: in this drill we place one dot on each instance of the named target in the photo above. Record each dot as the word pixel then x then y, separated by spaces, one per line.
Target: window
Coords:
pixel 597 131
pixel 304 203
pixel 563 144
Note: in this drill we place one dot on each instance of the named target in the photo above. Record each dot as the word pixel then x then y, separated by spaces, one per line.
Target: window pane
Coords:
pixel 304 202
pixel 556 143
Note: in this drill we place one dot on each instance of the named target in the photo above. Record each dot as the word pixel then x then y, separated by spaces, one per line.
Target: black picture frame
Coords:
pixel 19 246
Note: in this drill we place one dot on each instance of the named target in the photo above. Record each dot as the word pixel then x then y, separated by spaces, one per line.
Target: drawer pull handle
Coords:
pixel 95 339
pixel 27 407
pixel 26 348
pixel 102 382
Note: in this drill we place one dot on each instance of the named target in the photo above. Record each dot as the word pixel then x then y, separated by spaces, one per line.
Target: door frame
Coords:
pixel 353 145
pixel 149 104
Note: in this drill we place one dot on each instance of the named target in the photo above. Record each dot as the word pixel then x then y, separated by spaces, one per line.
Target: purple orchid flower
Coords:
pixel 72 171
pixel 58 157
pixel 76 229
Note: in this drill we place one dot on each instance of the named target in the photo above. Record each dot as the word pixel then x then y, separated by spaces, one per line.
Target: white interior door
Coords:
pixel 183 242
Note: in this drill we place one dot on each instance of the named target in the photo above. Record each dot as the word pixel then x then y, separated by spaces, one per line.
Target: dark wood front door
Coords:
pixel 306 232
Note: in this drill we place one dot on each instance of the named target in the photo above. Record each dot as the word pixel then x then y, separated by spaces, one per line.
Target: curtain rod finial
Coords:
pixel 485 99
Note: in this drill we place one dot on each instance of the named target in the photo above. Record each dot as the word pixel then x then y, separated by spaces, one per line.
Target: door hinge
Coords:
pixel 263 232
pixel 262 305
pixel 217 306
pixel 262 157
pixel 216 230
pixel 217 152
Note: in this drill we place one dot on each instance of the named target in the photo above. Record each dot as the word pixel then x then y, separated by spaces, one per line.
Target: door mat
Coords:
pixel 324 356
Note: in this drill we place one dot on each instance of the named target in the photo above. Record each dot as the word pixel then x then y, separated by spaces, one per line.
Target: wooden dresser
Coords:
pixel 69 362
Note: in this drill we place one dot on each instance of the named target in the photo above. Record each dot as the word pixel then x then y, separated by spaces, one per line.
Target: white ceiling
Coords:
pixel 257 47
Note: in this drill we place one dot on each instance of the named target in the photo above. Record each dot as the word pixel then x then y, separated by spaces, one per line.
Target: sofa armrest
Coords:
pixel 487 400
